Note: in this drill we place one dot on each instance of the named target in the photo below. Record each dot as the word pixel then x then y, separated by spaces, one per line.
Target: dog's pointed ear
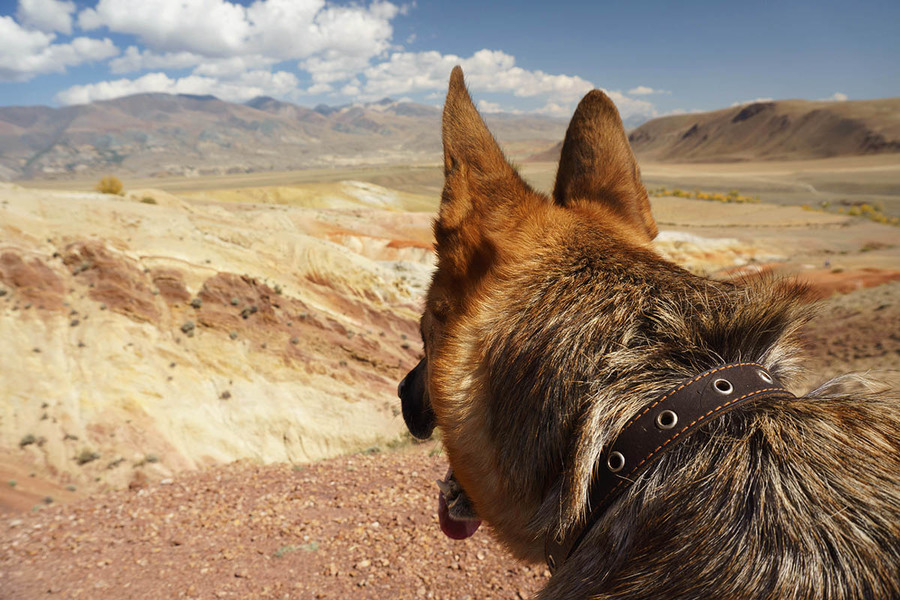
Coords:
pixel 597 165
pixel 476 174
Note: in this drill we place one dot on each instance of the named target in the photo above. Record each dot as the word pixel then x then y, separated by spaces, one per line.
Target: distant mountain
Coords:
pixel 778 130
pixel 781 130
pixel 165 134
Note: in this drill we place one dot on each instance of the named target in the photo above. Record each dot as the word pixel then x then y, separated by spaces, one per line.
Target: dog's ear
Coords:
pixel 477 177
pixel 597 165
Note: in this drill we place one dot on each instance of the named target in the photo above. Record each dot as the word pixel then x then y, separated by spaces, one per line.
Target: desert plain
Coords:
pixel 199 375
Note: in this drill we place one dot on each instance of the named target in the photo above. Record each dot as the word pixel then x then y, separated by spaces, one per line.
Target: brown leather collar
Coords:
pixel 660 426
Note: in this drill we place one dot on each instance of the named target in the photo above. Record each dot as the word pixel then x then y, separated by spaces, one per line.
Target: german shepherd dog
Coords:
pixel 552 326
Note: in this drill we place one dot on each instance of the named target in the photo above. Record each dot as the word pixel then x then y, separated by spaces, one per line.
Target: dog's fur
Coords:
pixel 551 321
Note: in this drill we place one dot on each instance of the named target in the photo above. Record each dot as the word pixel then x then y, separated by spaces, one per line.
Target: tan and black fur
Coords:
pixel 551 321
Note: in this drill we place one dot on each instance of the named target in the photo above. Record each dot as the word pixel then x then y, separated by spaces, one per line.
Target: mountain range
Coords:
pixel 163 134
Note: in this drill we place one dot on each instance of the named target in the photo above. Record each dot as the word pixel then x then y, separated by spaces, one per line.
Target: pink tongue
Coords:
pixel 453 529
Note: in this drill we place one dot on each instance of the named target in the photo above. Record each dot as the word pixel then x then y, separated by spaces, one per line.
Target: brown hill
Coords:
pixel 782 130
pixel 779 130
pixel 148 134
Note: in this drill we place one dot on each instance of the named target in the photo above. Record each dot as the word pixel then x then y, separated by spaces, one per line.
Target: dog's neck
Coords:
pixel 659 427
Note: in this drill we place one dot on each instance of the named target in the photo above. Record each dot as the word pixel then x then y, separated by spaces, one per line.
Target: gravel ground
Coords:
pixel 363 526
pixel 858 332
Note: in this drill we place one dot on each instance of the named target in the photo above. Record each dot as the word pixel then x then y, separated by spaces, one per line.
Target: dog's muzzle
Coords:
pixel 417 412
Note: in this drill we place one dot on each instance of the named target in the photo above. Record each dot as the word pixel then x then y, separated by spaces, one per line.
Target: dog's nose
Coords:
pixel 401 386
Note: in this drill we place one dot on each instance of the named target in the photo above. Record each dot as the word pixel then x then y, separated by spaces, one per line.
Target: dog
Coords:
pixel 552 329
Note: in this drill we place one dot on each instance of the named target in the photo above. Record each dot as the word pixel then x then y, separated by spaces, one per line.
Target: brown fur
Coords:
pixel 551 321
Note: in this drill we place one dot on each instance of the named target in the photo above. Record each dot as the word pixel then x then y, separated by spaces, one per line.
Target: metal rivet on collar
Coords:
pixel 765 376
pixel 723 386
pixel 667 419
pixel 615 462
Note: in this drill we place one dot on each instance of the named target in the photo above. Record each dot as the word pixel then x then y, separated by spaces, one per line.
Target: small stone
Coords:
pixel 363 564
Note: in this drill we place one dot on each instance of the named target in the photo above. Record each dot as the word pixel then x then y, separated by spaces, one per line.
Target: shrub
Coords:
pixel 110 185
pixel 86 456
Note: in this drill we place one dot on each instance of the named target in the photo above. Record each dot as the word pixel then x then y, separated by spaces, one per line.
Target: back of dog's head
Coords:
pixel 498 243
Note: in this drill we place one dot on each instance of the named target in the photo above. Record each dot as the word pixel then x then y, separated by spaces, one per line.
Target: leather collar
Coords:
pixel 658 427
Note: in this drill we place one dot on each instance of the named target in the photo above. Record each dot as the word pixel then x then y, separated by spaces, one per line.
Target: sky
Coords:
pixel 653 57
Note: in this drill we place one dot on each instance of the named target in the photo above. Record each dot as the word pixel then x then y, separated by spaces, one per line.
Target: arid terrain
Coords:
pixel 198 377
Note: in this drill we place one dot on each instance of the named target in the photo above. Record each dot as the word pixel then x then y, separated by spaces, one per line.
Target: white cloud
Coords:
pixel 333 66
pixel 134 59
pixel 836 97
pixel 643 90
pixel 354 31
pixel 351 89
pixel 249 85
pixel 278 29
pixel 223 39
pixel 46 15
pixel 208 27
pixel 25 53
pixel 486 71
pixel 630 108
pixel 489 107
pixel 234 67
pixel 555 109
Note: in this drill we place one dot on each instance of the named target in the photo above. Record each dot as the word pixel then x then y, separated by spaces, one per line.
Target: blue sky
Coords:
pixel 654 58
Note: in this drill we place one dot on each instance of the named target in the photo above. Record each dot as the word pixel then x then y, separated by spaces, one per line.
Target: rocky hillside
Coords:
pixel 145 335
pixel 149 134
